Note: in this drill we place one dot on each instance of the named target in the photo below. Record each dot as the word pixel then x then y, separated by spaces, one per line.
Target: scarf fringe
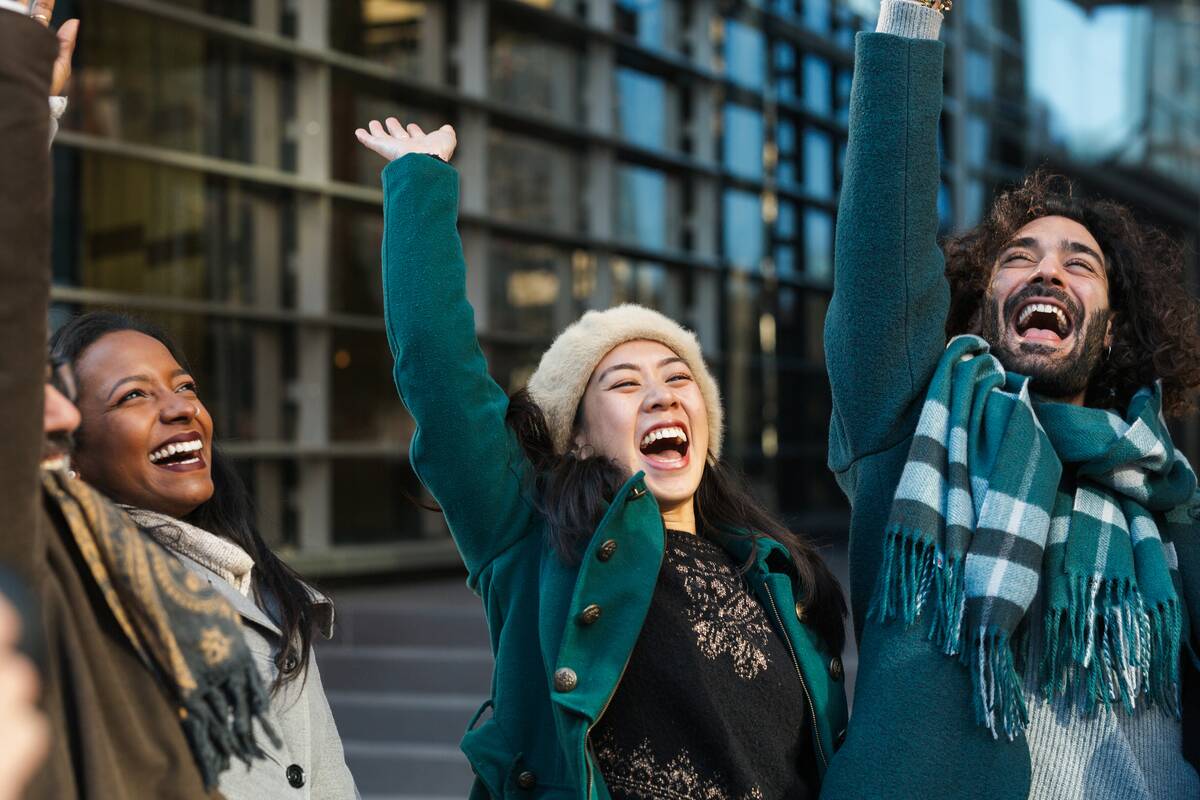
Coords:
pixel 1108 648
pixel 999 696
pixel 912 569
pixel 219 723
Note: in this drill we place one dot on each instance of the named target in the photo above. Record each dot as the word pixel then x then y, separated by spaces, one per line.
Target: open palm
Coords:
pixel 392 140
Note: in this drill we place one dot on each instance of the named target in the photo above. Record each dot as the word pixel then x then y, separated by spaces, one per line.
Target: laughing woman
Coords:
pixel 146 440
pixel 656 632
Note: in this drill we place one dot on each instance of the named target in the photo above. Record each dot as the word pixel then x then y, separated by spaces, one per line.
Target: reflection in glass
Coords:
pixel 654 23
pixel 529 71
pixel 743 233
pixel 531 181
pixel 391 32
pixel 646 109
pixel 525 282
pixel 146 229
pixel 745 55
pixel 647 203
pixel 648 283
pixel 142 79
pixel 363 399
pixel 743 141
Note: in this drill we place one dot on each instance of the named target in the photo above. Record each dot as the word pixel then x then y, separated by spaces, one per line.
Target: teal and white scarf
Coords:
pixel 983 520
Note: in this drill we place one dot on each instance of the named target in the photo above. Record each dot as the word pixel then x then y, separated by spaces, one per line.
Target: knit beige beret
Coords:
pixel 558 384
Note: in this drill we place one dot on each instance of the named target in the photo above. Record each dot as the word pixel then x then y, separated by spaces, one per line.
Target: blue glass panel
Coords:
pixel 785 223
pixel 743 235
pixel 818 88
pixel 785 261
pixel 745 55
pixel 818 163
pixel 816 15
pixel 642 206
pixel 642 108
pixel 651 25
pixel 743 141
pixel 818 244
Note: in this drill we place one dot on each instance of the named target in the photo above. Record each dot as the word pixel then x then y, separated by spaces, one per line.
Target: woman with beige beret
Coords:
pixel 657 633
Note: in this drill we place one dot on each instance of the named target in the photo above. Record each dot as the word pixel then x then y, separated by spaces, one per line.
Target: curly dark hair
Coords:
pixel 1156 320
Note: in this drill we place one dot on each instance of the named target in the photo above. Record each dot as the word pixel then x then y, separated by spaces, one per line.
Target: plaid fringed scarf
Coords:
pixel 980 524
pixel 181 627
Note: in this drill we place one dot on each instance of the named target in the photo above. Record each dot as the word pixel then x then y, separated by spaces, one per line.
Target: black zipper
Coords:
pixel 812 711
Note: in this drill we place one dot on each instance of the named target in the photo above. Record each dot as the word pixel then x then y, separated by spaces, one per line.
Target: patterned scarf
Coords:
pixel 180 626
pixel 980 524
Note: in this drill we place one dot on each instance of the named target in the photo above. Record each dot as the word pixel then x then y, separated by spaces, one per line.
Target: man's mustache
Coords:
pixel 1038 290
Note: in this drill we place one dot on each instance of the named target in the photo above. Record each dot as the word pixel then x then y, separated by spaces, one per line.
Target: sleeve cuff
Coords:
pixel 909 19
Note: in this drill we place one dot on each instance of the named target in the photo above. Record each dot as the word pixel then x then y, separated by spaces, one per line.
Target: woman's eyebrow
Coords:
pixel 672 360
pixel 125 380
pixel 614 368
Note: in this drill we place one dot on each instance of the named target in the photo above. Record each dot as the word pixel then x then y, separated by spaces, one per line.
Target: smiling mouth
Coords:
pixel 1040 321
pixel 182 456
pixel 666 447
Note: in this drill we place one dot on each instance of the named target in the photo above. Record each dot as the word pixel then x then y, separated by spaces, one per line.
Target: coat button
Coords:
pixel 800 611
pixel 607 548
pixel 589 614
pixel 565 679
pixel 295 776
pixel 527 780
pixel 290 663
pixel 835 668
pixel 635 493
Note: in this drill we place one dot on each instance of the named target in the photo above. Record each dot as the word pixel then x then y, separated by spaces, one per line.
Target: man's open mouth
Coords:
pixel 665 446
pixel 181 453
pixel 1043 320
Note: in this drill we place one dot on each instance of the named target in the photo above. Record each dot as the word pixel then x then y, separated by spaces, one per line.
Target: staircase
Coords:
pixel 404 673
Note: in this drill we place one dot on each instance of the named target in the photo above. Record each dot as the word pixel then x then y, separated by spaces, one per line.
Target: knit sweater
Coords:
pixel 1110 756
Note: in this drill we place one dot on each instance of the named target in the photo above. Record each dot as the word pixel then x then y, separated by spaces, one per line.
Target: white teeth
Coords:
pixel 663 433
pixel 177 447
pixel 1044 308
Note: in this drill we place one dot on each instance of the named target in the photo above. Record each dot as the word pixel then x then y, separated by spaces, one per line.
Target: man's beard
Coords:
pixel 1051 373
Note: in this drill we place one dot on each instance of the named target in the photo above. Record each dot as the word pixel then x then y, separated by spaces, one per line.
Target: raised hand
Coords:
pixel 396 140
pixel 42 11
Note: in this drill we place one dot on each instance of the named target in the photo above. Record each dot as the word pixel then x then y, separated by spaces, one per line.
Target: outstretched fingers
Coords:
pixel 395 128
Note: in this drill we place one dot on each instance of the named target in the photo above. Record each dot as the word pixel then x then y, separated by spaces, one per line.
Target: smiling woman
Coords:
pixel 146 440
pixel 622 566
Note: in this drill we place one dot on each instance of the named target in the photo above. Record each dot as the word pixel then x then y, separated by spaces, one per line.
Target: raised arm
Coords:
pixel 462 450
pixel 885 328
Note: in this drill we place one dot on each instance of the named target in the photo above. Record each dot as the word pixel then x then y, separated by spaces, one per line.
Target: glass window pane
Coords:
pixel 654 23
pixel 401 34
pixel 743 141
pixel 817 15
pixel 818 163
pixel 646 109
pixel 744 236
pixel 745 55
pixel 818 87
pixel 142 79
pixel 818 244
pixel 364 401
pixel 525 284
pixel 354 282
pixel 529 71
pixel 647 207
pixel 373 501
pixel 532 181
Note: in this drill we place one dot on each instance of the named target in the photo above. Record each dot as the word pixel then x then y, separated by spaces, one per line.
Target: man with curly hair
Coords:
pixel 1024 550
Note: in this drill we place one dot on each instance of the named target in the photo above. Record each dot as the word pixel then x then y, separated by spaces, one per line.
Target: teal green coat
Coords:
pixel 913 734
pixel 472 464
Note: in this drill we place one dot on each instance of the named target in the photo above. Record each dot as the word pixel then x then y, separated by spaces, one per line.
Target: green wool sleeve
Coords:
pixel 463 451
pixel 884 331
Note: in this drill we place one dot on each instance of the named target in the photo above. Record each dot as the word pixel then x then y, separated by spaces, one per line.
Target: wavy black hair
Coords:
pixel 229 513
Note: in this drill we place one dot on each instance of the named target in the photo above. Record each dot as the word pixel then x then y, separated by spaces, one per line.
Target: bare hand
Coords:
pixel 23 729
pixel 397 140
pixel 42 11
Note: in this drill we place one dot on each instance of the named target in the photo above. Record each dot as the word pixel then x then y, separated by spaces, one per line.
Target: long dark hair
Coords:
pixel 572 491
pixel 229 513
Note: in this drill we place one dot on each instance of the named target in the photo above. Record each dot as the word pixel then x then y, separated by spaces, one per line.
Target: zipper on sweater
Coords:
pixel 812 711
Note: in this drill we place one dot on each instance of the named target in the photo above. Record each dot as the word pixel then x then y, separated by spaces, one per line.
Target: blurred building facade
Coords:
pixel 684 154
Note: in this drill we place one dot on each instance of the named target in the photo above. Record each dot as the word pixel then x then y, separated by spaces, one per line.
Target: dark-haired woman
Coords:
pixel 146 440
pixel 656 633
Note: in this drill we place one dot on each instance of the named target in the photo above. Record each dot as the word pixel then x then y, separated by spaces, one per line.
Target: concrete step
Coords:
pixel 380 624
pixel 407 669
pixel 403 717
pixel 390 770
